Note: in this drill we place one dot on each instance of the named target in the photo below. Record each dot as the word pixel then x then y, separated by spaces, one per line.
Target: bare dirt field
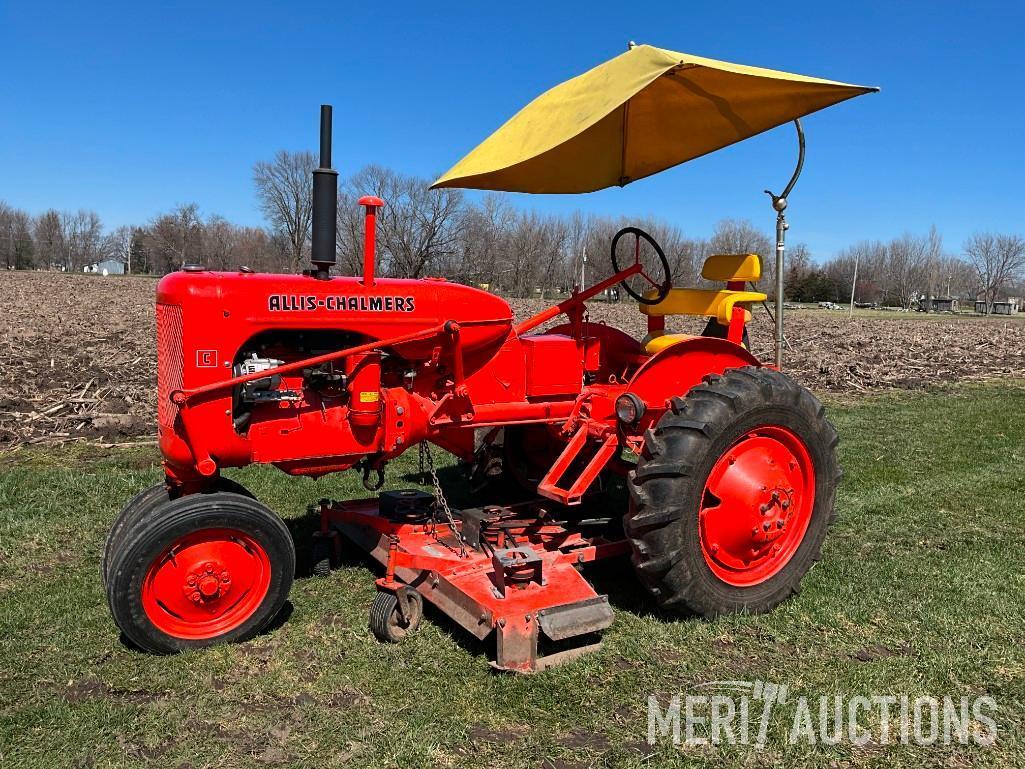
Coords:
pixel 78 353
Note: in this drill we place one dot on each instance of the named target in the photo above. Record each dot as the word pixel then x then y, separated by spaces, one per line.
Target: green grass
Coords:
pixel 921 591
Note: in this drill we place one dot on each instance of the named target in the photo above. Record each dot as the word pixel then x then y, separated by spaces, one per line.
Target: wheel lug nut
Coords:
pixel 779 524
pixel 191 580
pixel 766 526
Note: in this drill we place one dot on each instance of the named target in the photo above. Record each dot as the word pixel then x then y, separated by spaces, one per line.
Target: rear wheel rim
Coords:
pixel 206 583
pixel 756 506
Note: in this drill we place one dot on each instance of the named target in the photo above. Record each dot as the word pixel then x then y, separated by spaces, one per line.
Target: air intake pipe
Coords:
pixel 325 202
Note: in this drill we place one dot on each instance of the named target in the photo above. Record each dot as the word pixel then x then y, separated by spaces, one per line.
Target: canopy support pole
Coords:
pixel 779 204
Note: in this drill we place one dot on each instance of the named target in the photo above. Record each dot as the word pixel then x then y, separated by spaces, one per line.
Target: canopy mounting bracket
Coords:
pixel 779 205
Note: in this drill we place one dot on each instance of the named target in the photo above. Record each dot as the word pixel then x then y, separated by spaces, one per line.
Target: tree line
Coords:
pixel 489 242
pixel 911 270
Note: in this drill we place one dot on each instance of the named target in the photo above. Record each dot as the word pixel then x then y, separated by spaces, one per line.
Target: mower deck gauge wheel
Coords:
pixel 393 616
pixel 323 554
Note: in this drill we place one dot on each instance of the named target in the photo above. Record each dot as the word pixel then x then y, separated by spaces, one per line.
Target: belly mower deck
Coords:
pixel 511 570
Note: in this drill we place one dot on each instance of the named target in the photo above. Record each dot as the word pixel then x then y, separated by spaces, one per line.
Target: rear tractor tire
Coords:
pixel 199 570
pixel 733 494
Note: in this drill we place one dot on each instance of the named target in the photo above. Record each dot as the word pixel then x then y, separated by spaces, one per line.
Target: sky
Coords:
pixel 130 109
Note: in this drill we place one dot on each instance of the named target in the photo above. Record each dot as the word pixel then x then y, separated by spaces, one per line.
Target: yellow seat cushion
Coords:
pixel 732 267
pixel 657 342
pixel 696 301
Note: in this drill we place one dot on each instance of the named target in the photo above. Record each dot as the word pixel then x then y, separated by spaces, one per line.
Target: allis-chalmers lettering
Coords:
pixel 310 303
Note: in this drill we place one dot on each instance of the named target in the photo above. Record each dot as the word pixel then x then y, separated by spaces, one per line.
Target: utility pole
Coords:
pixel 583 268
pixel 854 283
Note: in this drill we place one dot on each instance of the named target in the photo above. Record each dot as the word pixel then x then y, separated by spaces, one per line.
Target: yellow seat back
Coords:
pixel 732 267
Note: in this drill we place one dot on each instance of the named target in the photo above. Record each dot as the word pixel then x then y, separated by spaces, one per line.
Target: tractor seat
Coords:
pixel 734 269
pixel 658 341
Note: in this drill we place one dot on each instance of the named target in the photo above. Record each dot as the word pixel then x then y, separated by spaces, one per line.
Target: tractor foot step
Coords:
pixel 574 494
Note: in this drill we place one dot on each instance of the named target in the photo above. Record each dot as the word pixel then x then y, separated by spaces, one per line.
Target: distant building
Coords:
pixel 945 304
pixel 106 267
pixel 1012 305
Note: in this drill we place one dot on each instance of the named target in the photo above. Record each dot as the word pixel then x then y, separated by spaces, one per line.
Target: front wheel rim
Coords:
pixel 206 583
pixel 756 506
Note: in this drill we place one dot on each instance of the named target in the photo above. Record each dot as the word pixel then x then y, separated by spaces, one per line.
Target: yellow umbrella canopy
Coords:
pixel 642 112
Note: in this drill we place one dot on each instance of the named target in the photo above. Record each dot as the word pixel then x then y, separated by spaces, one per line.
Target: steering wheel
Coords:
pixel 664 286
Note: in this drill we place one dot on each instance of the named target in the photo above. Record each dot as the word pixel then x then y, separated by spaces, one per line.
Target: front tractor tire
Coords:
pixel 733 494
pixel 142 505
pixel 199 570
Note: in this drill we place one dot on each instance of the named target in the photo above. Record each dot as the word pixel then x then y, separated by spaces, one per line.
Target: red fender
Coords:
pixel 677 368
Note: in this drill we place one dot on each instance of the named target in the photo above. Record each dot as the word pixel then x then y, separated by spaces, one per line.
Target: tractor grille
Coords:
pixel 169 360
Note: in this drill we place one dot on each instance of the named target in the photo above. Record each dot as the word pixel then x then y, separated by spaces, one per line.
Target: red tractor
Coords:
pixel 730 464
pixel 731 484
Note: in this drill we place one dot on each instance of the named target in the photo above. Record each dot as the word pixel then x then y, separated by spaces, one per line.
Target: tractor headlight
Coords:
pixel 629 408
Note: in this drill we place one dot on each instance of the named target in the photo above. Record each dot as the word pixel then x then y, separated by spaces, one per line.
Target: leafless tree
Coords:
pixel 870 258
pixel 284 188
pixel 83 239
pixel 219 241
pixel 956 277
pixel 120 244
pixel 482 246
pixel 256 248
pixel 16 244
pixel 998 261
pixel 349 231
pixel 49 240
pixel 417 227
pixel 175 238
pixel 798 262
pixel 907 262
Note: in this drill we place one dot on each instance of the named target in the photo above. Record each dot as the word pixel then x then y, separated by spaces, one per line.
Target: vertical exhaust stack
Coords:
pixel 325 202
